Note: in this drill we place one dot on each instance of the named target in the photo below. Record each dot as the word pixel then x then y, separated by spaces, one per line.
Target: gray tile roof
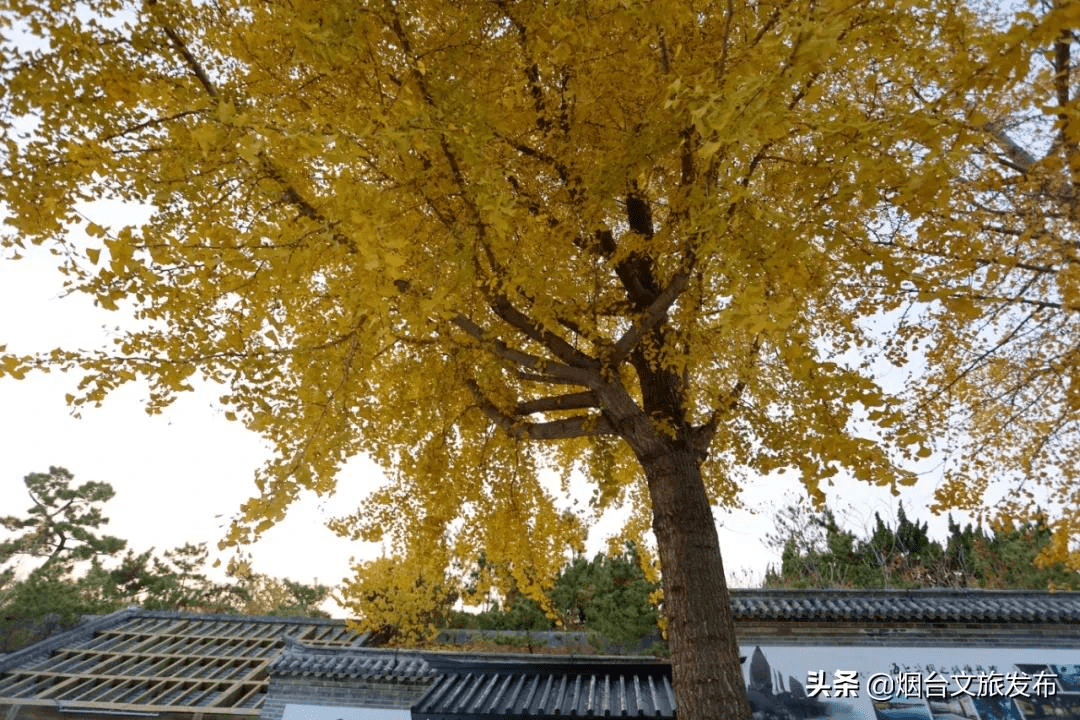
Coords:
pixel 166 661
pixel 367 664
pixel 160 661
pixel 989 606
pixel 552 689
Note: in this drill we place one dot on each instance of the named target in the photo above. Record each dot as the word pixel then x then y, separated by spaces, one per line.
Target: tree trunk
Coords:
pixel 708 677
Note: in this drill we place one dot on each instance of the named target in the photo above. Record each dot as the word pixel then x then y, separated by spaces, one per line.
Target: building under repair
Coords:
pixel 871 655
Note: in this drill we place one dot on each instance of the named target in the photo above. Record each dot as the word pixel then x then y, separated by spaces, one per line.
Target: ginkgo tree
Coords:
pixel 996 289
pixel 480 240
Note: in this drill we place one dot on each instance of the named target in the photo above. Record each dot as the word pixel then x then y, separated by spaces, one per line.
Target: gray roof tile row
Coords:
pixel 165 659
pixel 374 665
pixel 907 605
pixel 602 691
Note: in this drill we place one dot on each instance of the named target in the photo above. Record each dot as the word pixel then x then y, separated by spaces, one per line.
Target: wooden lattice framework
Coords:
pixel 156 664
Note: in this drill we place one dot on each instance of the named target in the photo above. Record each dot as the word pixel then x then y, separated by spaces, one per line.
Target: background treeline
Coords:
pixel 607 595
pixel 57 566
pixel 816 552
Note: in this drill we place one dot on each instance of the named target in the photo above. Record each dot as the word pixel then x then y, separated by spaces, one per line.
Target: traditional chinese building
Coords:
pixel 873 655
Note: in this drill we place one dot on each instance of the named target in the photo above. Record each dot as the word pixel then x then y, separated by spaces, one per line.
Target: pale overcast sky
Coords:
pixel 179 476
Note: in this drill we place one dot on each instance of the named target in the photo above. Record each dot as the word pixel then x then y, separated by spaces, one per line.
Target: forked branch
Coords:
pixel 653 316
pixel 561 349
pixel 703 434
pixel 551 370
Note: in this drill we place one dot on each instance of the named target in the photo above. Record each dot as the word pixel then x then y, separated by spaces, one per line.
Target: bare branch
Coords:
pixel 189 58
pixel 1021 300
pixel 981 261
pixel 1018 299
pixel 152 122
pixel 704 434
pixel 529 151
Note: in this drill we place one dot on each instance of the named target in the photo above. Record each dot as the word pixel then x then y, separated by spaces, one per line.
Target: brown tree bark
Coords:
pixel 707 674
pixel 708 678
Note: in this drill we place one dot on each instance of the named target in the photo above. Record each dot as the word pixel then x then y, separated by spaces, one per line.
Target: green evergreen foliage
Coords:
pixel 171 581
pixel 61 523
pixel 608 595
pixel 817 553
pixel 59 533
pixel 58 530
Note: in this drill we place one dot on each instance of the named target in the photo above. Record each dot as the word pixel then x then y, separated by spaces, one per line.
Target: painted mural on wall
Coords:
pixel 911 683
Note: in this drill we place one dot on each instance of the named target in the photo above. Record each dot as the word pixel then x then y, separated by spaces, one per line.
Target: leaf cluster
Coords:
pixel 477 241
pixel 429 234
pixel 993 288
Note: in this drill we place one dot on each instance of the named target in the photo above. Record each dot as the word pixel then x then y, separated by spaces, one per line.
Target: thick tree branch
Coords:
pixel 1067 133
pixel 665 56
pixel 634 271
pixel 653 316
pixel 573 401
pixel 1062 72
pixel 189 58
pixel 532 69
pixel 543 368
pixel 1018 157
pixel 561 349
pixel 574 427
pixel 639 215
pixel 543 379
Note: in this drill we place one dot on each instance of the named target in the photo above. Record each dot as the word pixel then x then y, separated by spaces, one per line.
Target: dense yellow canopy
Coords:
pixel 651 233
